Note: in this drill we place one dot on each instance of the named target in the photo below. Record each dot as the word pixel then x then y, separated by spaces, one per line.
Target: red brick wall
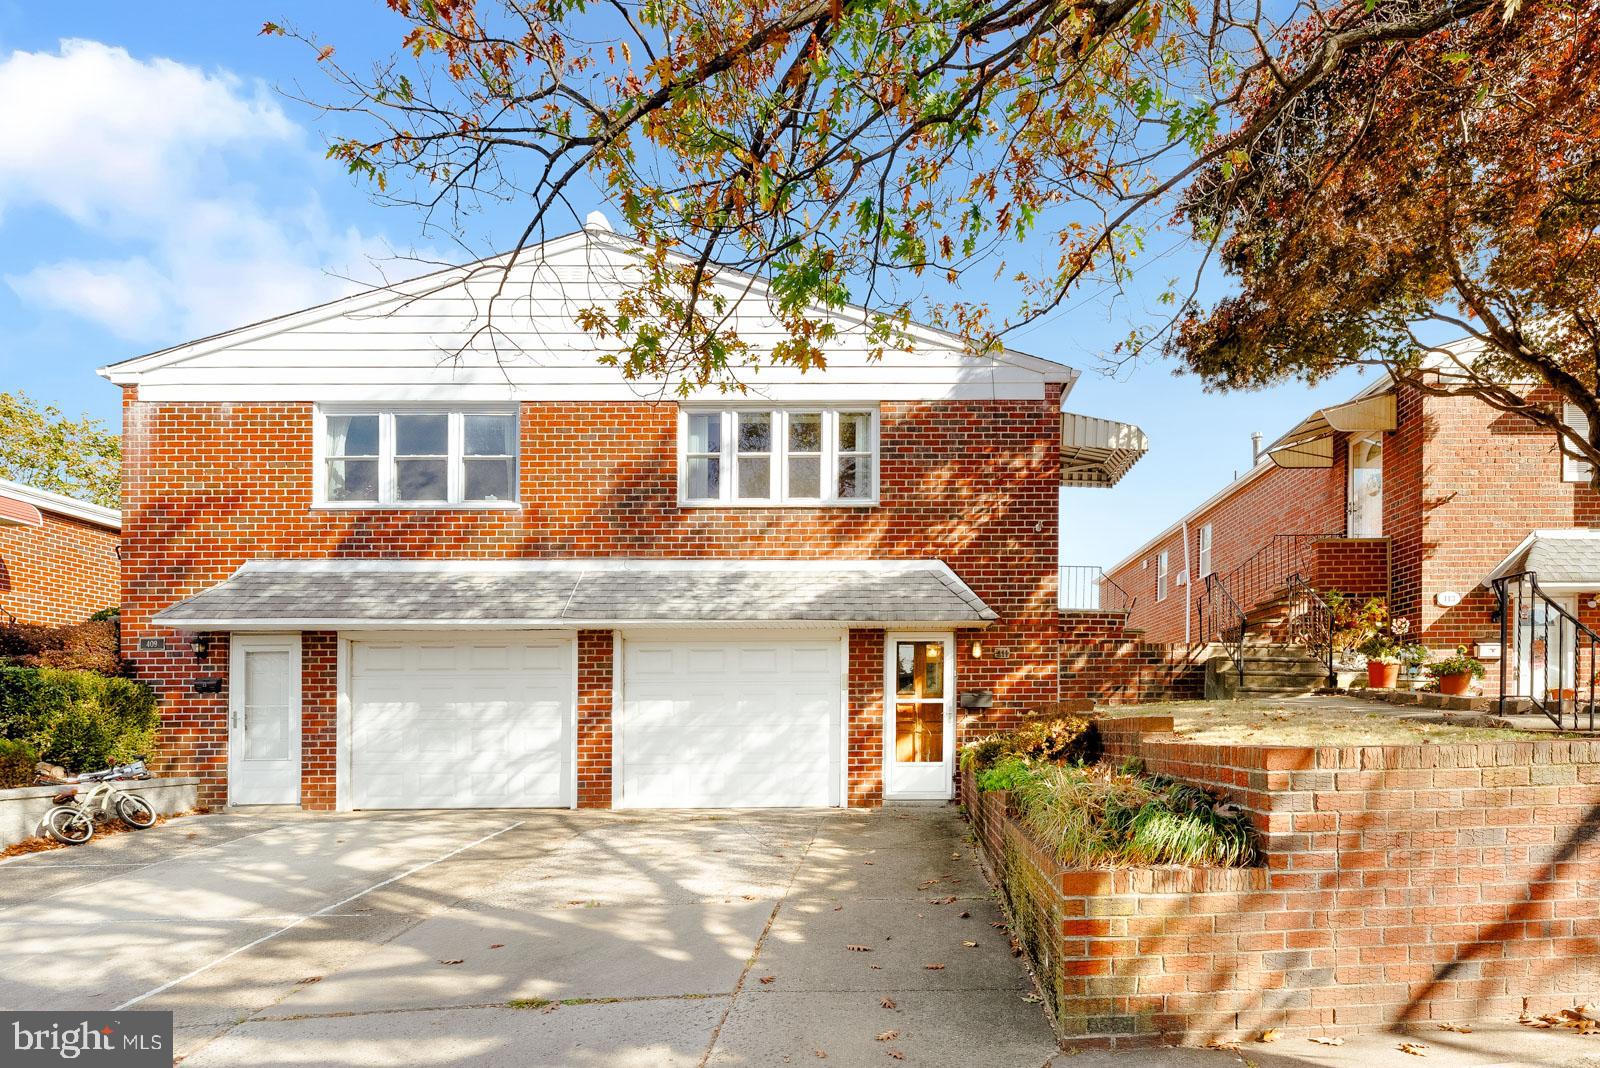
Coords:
pixel 208 486
pixel 1488 481
pixel 864 745
pixel 1279 501
pixel 61 572
pixel 594 718
pixel 1402 883
pixel 319 703
pixel 1357 567
pixel 1102 662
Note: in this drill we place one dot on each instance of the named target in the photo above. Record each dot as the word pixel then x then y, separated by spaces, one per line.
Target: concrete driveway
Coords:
pixel 532 938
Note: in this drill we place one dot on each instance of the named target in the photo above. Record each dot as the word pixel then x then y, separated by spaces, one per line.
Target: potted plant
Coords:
pixel 1455 673
pixel 1386 648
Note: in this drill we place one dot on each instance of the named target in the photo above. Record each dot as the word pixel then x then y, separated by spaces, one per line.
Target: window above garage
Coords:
pixel 819 457
pixel 416 458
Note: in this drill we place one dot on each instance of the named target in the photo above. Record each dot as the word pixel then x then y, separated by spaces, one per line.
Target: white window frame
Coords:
pixel 779 457
pixel 1574 469
pixel 1163 569
pixel 455 464
pixel 1205 540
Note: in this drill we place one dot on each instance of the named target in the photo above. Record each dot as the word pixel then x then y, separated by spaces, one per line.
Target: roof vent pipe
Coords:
pixel 1255 448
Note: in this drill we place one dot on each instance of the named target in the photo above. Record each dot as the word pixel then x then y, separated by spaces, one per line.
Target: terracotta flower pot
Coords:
pixel 1382 676
pixel 1455 685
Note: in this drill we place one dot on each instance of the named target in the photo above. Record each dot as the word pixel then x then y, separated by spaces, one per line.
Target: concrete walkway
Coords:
pixel 533 938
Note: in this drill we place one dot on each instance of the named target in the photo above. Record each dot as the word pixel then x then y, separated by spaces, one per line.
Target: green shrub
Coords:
pixel 1007 774
pixel 1057 738
pixel 1100 817
pixel 17 760
pixel 80 720
pixel 982 753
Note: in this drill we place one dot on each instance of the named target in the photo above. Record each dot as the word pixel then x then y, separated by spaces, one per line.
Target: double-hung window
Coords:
pixel 800 456
pixel 1161 575
pixel 1205 550
pixel 425 458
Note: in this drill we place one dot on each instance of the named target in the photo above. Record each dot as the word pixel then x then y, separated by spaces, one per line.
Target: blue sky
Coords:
pixel 156 186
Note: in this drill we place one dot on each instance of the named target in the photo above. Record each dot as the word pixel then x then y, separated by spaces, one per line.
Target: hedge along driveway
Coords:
pixel 78 719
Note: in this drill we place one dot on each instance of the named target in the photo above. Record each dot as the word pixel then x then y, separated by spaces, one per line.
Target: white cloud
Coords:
pixel 170 169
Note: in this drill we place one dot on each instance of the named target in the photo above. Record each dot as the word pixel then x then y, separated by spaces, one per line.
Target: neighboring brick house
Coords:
pixel 58 557
pixel 372 564
pixel 1418 498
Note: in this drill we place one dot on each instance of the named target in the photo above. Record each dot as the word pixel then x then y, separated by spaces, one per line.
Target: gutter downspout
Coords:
pixel 1188 586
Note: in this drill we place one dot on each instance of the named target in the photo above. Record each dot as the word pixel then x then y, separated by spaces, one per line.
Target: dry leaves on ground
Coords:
pixel 1413 1048
pixel 969 943
pixel 951 900
pixel 769 979
pixel 1584 1020
pixel 934 967
pixel 1271 1034
pixel 888 1036
pixel 1457 1028
pixel 896 1054
pixel 308 980
pixel 888 1003
pixel 455 961
pixel 1222 1043
pixel 859 949
pixel 498 945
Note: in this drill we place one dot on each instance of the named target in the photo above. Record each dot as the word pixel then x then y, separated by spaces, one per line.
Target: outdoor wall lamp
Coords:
pixel 977 650
pixel 201 644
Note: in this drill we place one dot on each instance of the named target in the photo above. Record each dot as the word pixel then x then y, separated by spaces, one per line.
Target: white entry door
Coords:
pixel 461 722
pixel 1365 504
pixel 264 719
pixel 730 722
pixel 920 718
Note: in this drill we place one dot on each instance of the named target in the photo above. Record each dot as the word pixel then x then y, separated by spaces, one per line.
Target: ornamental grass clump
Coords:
pixel 1099 817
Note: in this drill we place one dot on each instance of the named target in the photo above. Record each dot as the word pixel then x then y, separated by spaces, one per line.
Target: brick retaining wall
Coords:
pixel 1401 884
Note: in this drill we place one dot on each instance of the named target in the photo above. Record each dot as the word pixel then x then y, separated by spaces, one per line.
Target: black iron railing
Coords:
pixel 1309 623
pixel 1224 622
pixel 1086 588
pixel 1547 657
pixel 1267 571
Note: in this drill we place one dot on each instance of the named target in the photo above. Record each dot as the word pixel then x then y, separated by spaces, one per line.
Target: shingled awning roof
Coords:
pixel 1563 560
pixel 352 594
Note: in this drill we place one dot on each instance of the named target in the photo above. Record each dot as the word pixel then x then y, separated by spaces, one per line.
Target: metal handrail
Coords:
pixel 1087 588
pixel 1230 629
pixel 1267 571
pixel 1311 623
pixel 1521 593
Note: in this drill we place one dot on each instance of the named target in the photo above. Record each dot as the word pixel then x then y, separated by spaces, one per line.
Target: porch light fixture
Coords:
pixel 201 644
pixel 977 650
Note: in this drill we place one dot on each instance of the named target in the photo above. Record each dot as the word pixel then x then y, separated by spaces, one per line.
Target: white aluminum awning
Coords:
pixel 1310 444
pixel 15 513
pixel 1098 452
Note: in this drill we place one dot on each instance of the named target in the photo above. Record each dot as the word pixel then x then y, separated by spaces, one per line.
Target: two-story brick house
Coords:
pixel 1419 498
pixel 58 557
pixel 377 555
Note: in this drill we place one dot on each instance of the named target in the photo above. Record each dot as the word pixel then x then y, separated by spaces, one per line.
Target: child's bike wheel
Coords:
pixel 69 825
pixel 135 811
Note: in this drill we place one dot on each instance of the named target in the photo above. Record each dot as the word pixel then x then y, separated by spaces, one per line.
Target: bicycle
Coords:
pixel 71 821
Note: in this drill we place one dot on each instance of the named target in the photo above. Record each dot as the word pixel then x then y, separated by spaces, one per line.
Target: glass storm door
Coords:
pixel 1365 504
pixel 921 721
pixel 264 720
pixel 1546 648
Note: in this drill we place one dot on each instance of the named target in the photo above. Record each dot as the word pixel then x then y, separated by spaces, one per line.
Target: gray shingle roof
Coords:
pixel 1565 556
pixel 330 594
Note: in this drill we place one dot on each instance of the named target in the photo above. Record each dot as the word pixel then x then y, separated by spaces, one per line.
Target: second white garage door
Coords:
pixel 461 722
pixel 730 723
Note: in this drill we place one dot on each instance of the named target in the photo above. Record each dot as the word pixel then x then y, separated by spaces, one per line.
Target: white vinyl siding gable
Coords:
pixel 825 457
pixel 1572 468
pixel 380 457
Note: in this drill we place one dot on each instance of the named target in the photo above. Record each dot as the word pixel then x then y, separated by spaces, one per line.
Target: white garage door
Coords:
pixel 730 723
pixel 460 722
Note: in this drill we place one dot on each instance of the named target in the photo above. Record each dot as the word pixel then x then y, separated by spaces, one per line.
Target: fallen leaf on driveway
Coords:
pixel 966 915
pixel 310 979
pixel 859 949
pixel 1220 1043
pixel 498 945
pixel 934 967
pixel 896 1054
pixel 888 1036
pixel 866 862
pixel 1032 998
pixel 769 978
pixel 969 943
pixel 951 900
pixel 456 961
pixel 1413 1048
pixel 821 1056
pixel 838 908
pixel 887 1003
pixel 997 925
pixel 1324 1040
pixel 1271 1034
pixel 1459 1029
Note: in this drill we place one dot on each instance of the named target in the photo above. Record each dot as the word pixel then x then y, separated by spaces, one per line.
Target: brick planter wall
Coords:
pixel 1401 884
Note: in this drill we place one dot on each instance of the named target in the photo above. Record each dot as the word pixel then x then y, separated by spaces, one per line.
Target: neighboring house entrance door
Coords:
pixel 920 724
pixel 264 720
pixel 1365 501
pixel 1546 650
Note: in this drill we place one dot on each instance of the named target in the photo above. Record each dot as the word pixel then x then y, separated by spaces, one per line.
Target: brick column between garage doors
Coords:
pixel 596 652
pixel 319 720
